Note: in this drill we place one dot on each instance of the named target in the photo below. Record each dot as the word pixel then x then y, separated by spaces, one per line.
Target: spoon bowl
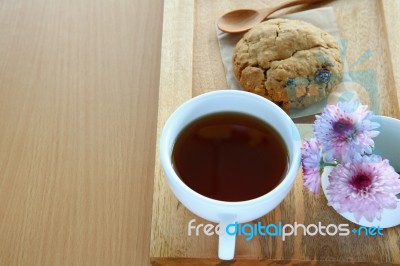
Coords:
pixel 242 20
pixel 239 20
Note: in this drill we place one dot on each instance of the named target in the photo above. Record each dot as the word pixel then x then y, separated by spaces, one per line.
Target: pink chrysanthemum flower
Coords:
pixel 311 155
pixel 364 187
pixel 345 130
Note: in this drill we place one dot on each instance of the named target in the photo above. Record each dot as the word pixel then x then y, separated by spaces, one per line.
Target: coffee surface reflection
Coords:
pixel 230 156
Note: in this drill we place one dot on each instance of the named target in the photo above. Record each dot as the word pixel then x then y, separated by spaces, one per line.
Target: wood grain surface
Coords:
pixel 78 105
pixel 191 65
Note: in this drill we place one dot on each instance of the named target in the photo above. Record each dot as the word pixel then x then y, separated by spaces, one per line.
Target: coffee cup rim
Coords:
pixel 172 176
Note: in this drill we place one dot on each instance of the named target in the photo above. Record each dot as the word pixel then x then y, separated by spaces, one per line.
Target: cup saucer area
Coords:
pixel 387 146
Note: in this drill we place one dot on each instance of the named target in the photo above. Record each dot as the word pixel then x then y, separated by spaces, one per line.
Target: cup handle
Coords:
pixel 226 245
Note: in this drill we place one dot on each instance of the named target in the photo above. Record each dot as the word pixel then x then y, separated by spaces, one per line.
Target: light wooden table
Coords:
pixel 191 65
pixel 78 104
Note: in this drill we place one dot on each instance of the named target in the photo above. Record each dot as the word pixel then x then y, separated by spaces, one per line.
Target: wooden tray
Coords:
pixel 191 65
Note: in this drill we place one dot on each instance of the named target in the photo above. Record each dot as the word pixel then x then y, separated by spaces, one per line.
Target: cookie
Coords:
pixel 289 62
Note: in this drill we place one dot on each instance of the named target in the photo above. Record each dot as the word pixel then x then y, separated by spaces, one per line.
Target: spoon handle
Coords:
pixel 269 10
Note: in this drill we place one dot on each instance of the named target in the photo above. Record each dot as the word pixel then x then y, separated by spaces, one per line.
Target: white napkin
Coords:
pixel 323 18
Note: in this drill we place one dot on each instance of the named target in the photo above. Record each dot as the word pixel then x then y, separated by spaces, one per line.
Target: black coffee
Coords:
pixel 230 156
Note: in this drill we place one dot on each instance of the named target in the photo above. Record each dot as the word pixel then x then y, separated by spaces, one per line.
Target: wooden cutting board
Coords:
pixel 191 65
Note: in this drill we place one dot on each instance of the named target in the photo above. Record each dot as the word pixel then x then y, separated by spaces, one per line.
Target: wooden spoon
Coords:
pixel 241 20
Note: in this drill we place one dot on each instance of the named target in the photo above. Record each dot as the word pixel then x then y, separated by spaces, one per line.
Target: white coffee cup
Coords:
pixel 224 212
